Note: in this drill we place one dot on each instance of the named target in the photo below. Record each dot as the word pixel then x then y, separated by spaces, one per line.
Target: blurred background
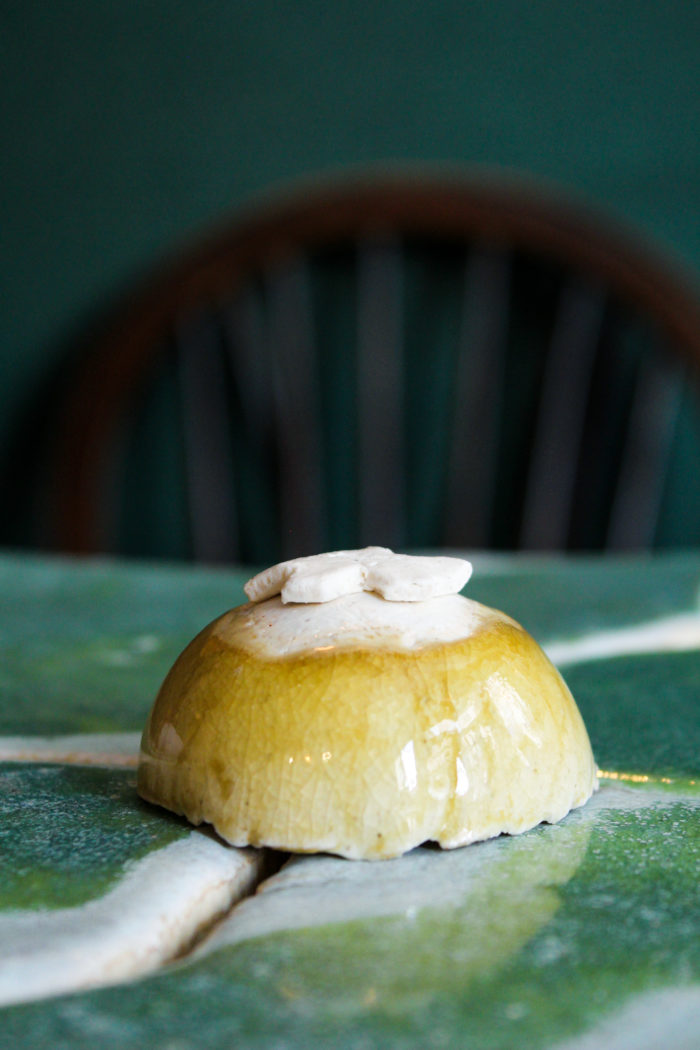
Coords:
pixel 129 128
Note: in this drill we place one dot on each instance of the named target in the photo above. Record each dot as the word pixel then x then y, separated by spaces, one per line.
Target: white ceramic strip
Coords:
pixel 667 1018
pixel 679 633
pixel 153 914
pixel 317 890
pixel 84 749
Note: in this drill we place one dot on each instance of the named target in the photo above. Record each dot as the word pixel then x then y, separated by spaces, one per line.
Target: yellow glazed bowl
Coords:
pixel 363 740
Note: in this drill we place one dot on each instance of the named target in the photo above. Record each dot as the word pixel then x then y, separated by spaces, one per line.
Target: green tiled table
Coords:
pixel 580 935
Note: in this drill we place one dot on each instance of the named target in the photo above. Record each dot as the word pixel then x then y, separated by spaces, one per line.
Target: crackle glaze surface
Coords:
pixel 363 746
pixel 572 936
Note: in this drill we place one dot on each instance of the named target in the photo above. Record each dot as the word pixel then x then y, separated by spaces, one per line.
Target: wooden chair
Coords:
pixel 414 361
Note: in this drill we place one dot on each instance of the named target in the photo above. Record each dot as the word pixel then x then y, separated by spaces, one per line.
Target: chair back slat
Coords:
pixel 380 394
pixel 477 406
pixel 209 467
pixel 651 427
pixel 546 517
pixel 243 326
pixel 294 378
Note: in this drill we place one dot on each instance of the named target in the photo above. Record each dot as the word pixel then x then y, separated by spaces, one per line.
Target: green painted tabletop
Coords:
pixel 582 934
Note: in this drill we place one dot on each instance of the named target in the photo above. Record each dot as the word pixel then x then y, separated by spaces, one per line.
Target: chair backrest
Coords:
pixel 412 362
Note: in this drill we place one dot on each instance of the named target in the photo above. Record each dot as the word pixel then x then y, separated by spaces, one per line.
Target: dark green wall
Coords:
pixel 126 125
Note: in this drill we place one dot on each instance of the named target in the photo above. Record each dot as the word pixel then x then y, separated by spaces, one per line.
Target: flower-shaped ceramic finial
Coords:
pixel 325 577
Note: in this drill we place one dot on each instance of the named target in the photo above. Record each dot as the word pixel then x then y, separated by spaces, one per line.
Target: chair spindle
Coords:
pixel 477 401
pixel 561 414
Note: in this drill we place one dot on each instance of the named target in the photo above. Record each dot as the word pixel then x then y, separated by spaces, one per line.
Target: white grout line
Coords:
pixel 666 1018
pixel 679 633
pixel 84 749
pixel 155 911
